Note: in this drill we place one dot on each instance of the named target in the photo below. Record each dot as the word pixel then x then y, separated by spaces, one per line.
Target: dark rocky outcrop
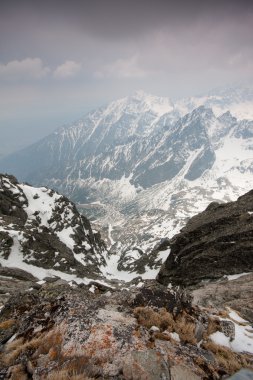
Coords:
pixel 215 243
pixel 43 229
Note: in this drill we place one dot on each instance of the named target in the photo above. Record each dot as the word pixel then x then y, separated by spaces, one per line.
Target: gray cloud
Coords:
pixel 68 69
pixel 28 68
pixel 75 55
pixel 117 18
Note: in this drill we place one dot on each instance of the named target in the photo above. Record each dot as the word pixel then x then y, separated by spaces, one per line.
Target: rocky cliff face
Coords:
pixel 215 243
pixel 42 233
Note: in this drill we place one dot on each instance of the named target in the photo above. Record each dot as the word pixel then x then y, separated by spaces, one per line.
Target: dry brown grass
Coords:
pixel 51 344
pixel 213 326
pixel 7 324
pixel 209 371
pixel 47 343
pixel 13 351
pixel 76 364
pixel 17 372
pixel 223 313
pixel 183 324
pixel 66 375
pixel 185 327
pixel 14 344
pixel 147 317
pixel 162 336
pixel 227 359
pixel 74 368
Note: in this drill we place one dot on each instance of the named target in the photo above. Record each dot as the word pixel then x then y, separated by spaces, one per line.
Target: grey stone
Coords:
pixel 199 330
pixel 180 372
pixel 145 365
pixel 243 374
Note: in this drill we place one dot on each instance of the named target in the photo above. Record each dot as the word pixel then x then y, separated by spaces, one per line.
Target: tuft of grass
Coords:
pixel 162 336
pixel 183 324
pixel 66 375
pixel 227 359
pixel 47 343
pixel 148 317
pixel 185 327
pixel 208 369
pixel 50 344
pixel 17 372
pixel 76 364
pixel 213 326
pixel 7 324
pixel 14 349
pixel 223 313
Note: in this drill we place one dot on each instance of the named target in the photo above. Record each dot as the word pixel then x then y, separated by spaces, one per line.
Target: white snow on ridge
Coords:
pixel 39 201
pixel 243 341
pixel 15 259
pixel 236 276
pixel 110 271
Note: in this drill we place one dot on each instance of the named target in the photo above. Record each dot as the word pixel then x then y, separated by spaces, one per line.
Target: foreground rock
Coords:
pixel 236 294
pixel 216 242
pixel 61 332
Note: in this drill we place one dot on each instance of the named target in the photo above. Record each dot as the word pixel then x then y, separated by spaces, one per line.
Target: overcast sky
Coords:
pixel 58 59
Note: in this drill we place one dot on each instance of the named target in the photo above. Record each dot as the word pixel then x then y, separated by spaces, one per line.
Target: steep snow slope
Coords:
pixel 42 232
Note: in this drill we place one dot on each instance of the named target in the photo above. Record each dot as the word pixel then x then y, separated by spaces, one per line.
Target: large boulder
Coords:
pixel 214 243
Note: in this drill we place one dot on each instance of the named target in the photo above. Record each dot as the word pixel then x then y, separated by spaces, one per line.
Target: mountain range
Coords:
pixel 142 165
pixel 150 303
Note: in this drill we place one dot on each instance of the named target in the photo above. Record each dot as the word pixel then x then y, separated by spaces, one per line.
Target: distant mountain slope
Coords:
pixel 43 234
pixel 142 165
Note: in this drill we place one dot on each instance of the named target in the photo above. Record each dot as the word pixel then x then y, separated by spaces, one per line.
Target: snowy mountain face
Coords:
pixel 141 166
pixel 238 100
pixel 42 233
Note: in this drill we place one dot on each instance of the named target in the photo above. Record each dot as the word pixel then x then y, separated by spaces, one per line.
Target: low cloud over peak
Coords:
pixel 68 69
pixel 28 68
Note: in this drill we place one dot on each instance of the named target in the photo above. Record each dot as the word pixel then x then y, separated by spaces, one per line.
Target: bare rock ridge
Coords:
pixel 214 243
pixel 41 232
pixel 61 332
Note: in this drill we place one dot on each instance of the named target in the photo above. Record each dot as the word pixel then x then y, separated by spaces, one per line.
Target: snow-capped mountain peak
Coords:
pixel 158 105
pixel 144 161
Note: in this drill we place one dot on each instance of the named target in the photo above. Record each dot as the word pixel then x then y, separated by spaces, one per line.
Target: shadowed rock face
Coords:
pixel 216 242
